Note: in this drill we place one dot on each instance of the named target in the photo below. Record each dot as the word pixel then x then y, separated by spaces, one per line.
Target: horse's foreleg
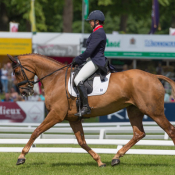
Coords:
pixel 79 133
pixel 135 117
pixel 51 119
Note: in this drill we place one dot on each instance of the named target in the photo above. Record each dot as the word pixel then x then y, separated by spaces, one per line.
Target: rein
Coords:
pixel 33 82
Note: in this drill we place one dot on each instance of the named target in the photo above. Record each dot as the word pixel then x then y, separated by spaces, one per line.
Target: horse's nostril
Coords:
pixel 24 93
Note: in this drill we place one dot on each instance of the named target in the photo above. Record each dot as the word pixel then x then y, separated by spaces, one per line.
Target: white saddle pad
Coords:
pixel 99 87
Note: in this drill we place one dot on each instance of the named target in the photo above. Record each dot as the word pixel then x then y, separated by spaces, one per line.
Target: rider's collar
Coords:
pixel 98 27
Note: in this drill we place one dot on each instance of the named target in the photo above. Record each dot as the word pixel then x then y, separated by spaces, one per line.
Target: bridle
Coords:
pixel 30 83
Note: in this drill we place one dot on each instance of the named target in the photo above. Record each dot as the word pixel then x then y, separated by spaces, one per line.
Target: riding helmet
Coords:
pixel 96 15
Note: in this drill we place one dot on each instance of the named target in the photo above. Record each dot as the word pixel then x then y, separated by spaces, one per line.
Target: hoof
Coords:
pixel 115 162
pixel 20 161
pixel 103 165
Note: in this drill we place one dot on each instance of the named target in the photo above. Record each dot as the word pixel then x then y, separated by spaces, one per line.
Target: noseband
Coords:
pixel 26 80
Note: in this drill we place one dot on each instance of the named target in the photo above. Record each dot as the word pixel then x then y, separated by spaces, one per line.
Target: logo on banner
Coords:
pixel 132 41
pixel 11 111
pixel 112 44
pixel 35 113
pixel 151 43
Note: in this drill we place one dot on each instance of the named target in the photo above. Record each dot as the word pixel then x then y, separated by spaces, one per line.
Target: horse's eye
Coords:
pixel 17 73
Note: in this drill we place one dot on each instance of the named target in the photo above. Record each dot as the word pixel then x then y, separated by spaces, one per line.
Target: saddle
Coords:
pixel 88 82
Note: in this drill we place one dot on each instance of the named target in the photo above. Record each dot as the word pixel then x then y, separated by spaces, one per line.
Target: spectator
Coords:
pixel 125 67
pixel 10 76
pixel 1 90
pixel 36 86
pixel 42 95
pixel 171 98
pixel 14 94
pixel 20 98
pixel 166 97
pixel 4 78
pixel 7 98
pixel 15 85
pixel 159 69
pixel 34 97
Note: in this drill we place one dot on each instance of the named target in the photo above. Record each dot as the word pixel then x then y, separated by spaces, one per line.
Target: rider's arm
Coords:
pixel 94 42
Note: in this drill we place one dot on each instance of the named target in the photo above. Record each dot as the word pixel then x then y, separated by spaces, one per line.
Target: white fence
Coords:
pixel 100 134
pixel 120 143
pixel 91 130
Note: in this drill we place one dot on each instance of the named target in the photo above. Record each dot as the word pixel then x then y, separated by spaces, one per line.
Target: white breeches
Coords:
pixel 86 71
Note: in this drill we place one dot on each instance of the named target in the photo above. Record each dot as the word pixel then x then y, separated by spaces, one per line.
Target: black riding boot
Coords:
pixel 84 99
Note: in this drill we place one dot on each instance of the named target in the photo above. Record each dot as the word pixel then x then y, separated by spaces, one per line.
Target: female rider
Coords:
pixel 95 50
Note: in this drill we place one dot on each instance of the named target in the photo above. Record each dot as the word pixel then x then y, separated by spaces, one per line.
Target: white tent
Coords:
pixel 57 44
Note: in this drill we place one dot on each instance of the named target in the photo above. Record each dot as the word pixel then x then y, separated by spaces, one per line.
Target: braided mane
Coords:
pixel 44 57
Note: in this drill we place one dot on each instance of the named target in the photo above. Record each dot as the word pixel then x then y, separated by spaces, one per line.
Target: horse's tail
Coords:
pixel 171 82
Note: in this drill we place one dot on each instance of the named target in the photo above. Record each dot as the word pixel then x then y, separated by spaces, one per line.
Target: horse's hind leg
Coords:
pixel 51 119
pixel 163 122
pixel 135 117
pixel 79 133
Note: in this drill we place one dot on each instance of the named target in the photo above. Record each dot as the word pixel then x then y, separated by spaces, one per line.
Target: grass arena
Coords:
pixel 76 164
pixel 82 163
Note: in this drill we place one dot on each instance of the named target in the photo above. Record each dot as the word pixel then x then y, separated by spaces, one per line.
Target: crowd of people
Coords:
pixel 9 90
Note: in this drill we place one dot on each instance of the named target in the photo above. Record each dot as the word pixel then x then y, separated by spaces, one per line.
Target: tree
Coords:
pixel 68 16
pixel 4 17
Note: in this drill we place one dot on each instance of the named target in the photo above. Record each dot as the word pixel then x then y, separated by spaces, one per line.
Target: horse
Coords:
pixel 137 91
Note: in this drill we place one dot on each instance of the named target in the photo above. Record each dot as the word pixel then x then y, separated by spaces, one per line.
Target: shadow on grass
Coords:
pixel 28 165
pixel 146 164
pixel 75 164
pixel 94 164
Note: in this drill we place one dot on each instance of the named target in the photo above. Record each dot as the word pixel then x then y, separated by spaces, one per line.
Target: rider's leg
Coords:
pixel 87 70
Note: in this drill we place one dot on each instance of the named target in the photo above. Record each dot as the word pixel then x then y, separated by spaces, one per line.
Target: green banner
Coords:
pixel 86 8
pixel 140 54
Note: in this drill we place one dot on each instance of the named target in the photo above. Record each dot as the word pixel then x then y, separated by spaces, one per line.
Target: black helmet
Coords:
pixel 96 15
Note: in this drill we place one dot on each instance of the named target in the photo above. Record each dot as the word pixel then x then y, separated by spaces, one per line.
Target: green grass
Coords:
pixel 83 164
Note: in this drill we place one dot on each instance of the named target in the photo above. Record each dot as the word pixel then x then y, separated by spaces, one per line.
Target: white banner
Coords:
pixel 139 46
pixel 24 112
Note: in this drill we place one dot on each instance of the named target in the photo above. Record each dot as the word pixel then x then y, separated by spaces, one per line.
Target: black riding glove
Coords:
pixel 74 62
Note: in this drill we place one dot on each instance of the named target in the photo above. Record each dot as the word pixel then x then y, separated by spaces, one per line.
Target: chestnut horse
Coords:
pixel 137 91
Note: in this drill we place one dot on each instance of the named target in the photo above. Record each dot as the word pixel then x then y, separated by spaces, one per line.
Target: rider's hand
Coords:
pixel 74 62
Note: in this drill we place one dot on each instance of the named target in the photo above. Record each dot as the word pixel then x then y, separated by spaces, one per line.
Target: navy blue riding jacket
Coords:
pixel 95 49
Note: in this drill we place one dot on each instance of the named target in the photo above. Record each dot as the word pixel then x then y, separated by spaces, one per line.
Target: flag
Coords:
pixel 86 8
pixel 32 17
pixel 155 16
pixel 14 27
pixel 172 31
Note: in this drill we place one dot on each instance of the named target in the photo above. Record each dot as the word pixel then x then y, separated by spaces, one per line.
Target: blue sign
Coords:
pixel 122 116
pixel 151 43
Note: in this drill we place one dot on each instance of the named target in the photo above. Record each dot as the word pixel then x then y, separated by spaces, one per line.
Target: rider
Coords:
pixel 96 60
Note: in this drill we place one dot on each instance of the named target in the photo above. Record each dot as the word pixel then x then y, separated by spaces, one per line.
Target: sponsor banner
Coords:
pixel 15 46
pixel 57 50
pixel 23 112
pixel 156 55
pixel 122 116
pixel 139 46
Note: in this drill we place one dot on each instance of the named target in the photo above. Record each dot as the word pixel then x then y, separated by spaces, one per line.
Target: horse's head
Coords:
pixel 24 76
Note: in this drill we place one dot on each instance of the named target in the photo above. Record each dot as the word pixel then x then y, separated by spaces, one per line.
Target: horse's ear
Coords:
pixel 12 59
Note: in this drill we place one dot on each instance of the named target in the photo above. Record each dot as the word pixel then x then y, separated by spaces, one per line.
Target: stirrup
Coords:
pixel 87 110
